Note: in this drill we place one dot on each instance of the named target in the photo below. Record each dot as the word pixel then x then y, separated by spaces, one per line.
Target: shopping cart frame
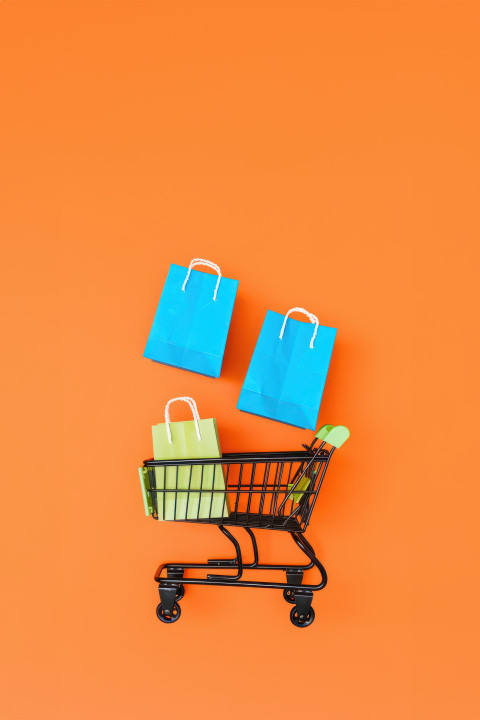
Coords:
pixel 292 501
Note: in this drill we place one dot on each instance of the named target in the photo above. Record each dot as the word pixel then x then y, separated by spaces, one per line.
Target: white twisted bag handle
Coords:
pixel 196 417
pixel 313 319
pixel 208 263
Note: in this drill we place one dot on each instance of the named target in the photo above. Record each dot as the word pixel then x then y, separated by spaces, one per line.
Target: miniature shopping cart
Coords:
pixel 262 491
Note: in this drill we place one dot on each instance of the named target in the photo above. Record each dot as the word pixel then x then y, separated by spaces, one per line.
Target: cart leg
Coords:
pixel 254 546
pixel 294 577
pixel 308 550
pixel 176 573
pixel 233 562
pixel 307 544
pixel 238 563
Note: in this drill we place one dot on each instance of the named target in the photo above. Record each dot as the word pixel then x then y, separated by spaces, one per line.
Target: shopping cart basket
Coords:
pixel 265 490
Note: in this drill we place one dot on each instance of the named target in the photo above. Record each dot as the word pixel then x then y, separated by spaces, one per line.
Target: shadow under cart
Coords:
pixel 256 491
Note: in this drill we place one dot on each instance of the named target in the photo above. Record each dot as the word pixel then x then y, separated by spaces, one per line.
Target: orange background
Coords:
pixel 325 155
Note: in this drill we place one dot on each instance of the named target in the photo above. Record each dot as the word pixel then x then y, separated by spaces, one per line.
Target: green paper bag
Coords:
pixel 189 440
pixel 301 487
pixel 146 494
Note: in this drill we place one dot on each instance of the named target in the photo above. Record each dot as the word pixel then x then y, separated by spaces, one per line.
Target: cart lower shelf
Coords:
pixel 172 581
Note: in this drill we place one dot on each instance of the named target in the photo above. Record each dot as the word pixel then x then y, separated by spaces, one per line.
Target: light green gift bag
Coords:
pixel 192 491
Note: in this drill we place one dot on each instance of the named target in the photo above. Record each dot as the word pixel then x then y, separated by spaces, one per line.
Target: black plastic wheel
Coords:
pixel 289 596
pixel 169 618
pixel 302 621
pixel 180 592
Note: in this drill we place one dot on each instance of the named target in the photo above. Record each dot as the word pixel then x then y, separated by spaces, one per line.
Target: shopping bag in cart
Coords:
pixel 192 320
pixel 189 491
pixel 288 369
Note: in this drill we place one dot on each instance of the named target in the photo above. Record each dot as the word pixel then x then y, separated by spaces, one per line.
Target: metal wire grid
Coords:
pixel 259 490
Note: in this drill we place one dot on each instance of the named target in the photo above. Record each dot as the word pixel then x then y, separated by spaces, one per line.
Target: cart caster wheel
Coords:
pixel 180 592
pixel 169 618
pixel 289 596
pixel 302 621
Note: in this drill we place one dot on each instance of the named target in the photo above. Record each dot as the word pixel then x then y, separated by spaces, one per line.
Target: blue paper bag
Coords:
pixel 193 316
pixel 288 370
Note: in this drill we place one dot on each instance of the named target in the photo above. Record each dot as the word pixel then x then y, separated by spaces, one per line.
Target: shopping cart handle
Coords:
pixel 333 435
pixel 323 431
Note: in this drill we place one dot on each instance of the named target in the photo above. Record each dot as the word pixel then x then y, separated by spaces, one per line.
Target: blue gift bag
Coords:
pixel 193 316
pixel 288 370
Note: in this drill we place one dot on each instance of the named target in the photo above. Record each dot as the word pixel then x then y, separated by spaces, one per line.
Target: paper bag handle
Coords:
pixel 313 319
pixel 196 417
pixel 208 263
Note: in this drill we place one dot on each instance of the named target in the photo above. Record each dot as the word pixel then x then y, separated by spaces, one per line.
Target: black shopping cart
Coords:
pixel 263 491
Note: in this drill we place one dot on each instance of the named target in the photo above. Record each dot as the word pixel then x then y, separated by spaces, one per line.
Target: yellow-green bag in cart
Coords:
pixel 189 492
